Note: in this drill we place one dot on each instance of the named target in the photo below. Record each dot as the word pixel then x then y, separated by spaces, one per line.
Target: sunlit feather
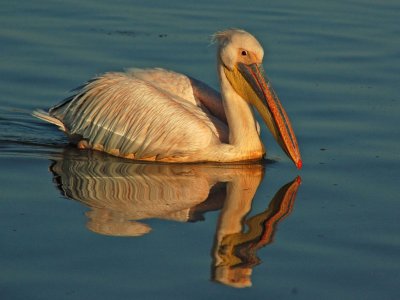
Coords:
pixel 160 115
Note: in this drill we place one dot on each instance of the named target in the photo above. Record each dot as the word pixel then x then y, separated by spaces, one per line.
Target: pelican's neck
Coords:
pixel 243 134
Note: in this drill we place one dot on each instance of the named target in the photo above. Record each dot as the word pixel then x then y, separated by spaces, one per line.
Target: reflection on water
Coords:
pixel 122 193
pixel 235 249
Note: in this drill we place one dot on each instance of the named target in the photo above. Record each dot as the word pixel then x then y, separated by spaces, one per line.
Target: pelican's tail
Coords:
pixel 44 115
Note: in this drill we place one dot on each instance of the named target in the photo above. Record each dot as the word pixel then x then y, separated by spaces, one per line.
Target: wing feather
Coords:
pixel 119 111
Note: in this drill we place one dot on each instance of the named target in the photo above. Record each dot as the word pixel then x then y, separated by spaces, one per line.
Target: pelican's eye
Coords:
pixel 244 52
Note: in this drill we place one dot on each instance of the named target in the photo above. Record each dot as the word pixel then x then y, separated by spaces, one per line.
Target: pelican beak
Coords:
pixel 250 83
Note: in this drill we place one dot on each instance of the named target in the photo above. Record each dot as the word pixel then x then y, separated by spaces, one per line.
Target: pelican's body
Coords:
pixel 160 115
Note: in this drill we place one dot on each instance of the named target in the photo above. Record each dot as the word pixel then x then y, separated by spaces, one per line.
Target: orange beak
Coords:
pixel 271 110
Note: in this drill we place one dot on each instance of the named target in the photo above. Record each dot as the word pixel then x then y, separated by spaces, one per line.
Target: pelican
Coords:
pixel 160 115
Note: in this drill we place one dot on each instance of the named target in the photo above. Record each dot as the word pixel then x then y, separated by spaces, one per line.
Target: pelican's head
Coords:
pixel 241 57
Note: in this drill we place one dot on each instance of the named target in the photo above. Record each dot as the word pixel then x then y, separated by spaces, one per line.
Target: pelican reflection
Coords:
pixel 235 249
pixel 121 195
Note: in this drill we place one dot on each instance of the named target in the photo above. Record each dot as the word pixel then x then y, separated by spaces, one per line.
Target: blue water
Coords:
pixel 82 225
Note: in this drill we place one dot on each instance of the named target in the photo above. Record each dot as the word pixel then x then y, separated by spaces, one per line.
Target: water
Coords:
pixel 335 66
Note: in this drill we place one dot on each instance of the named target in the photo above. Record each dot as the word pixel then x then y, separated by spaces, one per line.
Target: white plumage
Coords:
pixel 160 115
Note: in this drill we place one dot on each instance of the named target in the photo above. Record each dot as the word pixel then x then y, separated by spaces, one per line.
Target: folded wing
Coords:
pixel 128 114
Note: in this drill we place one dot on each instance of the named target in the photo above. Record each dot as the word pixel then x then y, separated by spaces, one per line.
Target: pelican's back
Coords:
pixel 125 115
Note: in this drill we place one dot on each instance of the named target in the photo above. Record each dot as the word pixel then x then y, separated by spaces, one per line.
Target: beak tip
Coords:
pixel 299 164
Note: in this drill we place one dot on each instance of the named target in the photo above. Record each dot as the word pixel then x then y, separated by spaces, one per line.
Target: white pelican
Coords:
pixel 160 115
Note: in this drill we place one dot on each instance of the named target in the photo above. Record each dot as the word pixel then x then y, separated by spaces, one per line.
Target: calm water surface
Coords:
pixel 80 225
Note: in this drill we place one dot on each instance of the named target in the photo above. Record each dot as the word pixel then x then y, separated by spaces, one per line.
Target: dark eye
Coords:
pixel 244 52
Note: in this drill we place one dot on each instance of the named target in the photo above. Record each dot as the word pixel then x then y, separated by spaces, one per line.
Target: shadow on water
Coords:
pixel 122 194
